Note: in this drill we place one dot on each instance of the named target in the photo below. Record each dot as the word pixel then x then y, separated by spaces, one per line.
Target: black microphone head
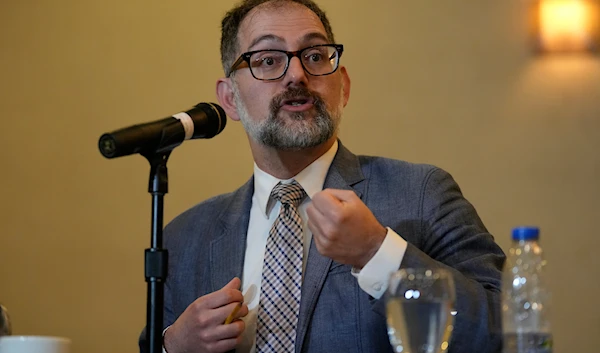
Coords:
pixel 205 120
pixel 107 146
pixel 209 120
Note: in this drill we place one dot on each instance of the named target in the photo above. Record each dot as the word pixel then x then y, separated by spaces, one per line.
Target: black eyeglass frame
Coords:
pixel 245 57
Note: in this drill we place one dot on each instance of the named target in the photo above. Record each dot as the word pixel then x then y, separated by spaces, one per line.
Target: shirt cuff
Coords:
pixel 374 277
pixel 163 335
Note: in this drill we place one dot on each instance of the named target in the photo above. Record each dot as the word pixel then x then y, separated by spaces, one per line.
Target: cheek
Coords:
pixel 257 100
pixel 333 96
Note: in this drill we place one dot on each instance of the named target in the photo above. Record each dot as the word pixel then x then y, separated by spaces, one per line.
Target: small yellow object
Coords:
pixel 233 313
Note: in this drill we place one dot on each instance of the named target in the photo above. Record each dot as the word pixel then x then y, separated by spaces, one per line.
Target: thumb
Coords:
pixel 233 284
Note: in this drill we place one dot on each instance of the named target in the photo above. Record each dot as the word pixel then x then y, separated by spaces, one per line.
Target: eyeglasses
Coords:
pixel 272 64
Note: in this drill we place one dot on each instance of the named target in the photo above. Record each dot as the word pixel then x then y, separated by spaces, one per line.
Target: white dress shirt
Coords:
pixel 372 278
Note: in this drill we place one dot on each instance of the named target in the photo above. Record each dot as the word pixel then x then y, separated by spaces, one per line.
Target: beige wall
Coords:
pixel 451 83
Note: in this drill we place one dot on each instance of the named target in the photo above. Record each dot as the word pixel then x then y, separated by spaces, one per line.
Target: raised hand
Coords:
pixel 343 228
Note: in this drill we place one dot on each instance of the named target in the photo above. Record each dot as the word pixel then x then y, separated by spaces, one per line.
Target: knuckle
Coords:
pixel 244 311
pixel 323 248
pixel 203 336
pixel 329 233
pixel 337 216
pixel 203 321
pixel 319 247
pixel 241 326
pixel 320 239
pixel 231 295
pixel 211 347
pixel 227 295
pixel 239 340
pixel 197 306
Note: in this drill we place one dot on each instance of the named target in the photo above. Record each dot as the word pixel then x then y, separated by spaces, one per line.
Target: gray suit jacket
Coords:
pixel 421 203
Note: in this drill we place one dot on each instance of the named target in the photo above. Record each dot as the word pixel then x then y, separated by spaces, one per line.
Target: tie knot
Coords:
pixel 290 194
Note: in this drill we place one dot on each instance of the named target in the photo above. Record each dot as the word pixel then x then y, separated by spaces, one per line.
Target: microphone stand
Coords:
pixel 155 141
pixel 156 258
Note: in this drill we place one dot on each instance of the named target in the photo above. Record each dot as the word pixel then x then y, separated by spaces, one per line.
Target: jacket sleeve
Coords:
pixel 454 237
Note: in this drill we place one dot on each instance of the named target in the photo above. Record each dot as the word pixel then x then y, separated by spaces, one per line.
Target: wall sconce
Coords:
pixel 567 26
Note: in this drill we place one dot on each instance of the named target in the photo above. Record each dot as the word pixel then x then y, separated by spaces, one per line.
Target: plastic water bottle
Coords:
pixel 525 297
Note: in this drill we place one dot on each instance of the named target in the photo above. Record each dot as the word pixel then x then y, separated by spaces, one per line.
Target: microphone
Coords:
pixel 205 120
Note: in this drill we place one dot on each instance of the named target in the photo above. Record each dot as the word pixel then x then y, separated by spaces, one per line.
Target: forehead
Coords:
pixel 289 23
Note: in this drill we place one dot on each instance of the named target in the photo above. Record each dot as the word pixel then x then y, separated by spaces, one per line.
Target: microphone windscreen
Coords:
pixel 209 120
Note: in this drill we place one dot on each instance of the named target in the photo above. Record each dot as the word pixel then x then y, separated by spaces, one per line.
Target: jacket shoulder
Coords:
pixel 394 170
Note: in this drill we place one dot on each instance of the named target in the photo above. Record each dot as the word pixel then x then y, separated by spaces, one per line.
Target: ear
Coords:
pixel 225 97
pixel 345 84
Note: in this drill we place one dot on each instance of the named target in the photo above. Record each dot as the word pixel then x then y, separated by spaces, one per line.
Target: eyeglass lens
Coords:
pixel 271 64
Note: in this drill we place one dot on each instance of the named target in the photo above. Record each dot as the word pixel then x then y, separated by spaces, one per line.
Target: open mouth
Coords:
pixel 298 103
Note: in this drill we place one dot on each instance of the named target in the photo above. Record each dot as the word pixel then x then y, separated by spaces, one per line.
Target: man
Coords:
pixel 298 258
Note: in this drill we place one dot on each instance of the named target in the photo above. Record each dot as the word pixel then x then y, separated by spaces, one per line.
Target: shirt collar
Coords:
pixel 310 178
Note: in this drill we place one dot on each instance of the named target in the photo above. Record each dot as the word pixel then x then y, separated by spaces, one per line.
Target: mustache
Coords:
pixel 292 93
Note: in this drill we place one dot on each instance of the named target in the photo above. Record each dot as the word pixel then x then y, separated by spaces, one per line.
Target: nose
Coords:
pixel 295 75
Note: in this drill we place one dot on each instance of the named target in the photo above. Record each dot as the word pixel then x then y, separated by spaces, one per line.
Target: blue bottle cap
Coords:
pixel 526 233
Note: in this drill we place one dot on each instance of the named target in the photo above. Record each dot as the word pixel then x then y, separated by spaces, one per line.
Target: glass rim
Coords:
pixel 430 275
pixel 422 270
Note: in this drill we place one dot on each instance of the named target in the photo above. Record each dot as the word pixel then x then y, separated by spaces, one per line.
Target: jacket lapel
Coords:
pixel 228 248
pixel 345 173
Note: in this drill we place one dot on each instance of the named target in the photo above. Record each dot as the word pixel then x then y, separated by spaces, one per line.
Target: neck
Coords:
pixel 287 164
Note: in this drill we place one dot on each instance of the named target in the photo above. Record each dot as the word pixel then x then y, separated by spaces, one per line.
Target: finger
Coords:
pixel 233 313
pixel 224 345
pixel 224 332
pixel 322 242
pixel 220 298
pixel 316 223
pixel 223 338
pixel 234 283
pixel 312 212
pixel 333 202
pixel 324 200
pixel 232 291
pixel 219 315
pixel 341 195
pixel 323 205
pixel 242 312
pixel 326 221
pixel 238 312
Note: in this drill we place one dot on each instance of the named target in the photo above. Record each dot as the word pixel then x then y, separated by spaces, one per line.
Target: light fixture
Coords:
pixel 567 25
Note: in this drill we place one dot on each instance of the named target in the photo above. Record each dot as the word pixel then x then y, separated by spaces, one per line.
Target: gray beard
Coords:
pixel 294 132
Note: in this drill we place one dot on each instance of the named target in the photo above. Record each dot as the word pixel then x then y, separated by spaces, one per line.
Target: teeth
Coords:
pixel 295 104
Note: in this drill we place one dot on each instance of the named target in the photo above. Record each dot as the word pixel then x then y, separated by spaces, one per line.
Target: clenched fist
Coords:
pixel 343 228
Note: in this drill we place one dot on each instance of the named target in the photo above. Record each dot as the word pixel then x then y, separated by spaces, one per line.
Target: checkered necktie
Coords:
pixel 282 275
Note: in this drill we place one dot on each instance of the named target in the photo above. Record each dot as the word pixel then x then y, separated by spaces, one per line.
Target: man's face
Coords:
pixel 298 110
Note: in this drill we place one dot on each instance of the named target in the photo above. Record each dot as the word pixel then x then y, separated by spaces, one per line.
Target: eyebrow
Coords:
pixel 266 37
pixel 315 35
pixel 272 37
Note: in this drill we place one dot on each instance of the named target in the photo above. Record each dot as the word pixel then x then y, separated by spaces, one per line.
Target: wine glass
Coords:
pixel 419 305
